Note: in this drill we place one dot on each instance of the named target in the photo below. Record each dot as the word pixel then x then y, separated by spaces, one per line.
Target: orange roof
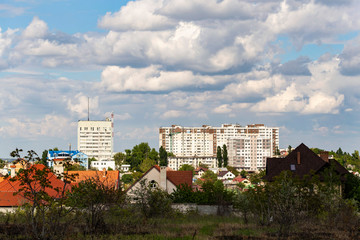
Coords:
pixel 108 178
pixel 8 188
pixel 239 179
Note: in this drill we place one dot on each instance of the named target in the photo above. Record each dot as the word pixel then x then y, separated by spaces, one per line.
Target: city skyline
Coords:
pixel 292 64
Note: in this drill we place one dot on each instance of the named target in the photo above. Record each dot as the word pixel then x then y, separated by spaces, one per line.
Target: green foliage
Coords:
pixel 120 159
pixel 2 163
pixel 233 170
pixel 219 156
pixel 92 198
pixel 212 193
pixel 75 167
pixel 43 159
pixel 277 151
pixel 163 156
pixel 152 201
pixel 289 150
pixel 127 178
pixel 187 167
pixel 317 150
pixel 146 164
pixel 243 173
pixel 209 176
pixel 225 156
pixel 138 154
pixel 203 165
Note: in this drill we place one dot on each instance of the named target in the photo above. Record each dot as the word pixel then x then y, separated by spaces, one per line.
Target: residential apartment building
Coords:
pixel 96 138
pixel 248 146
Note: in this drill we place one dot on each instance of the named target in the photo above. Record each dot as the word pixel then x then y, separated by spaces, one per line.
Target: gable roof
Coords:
pixel 222 173
pixel 8 188
pixel 309 161
pixel 108 178
pixel 175 177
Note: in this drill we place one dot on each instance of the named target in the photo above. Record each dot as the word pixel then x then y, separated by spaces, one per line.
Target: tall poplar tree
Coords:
pixel 219 156
pixel 225 156
pixel 163 157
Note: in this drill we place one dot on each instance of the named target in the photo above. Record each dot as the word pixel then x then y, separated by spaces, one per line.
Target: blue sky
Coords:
pixel 292 64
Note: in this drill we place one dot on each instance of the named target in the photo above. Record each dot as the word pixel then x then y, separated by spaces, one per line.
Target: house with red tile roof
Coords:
pixel 110 179
pixel 9 187
pixel 163 178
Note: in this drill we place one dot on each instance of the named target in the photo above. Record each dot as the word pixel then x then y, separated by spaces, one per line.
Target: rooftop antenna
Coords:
pixel 88 109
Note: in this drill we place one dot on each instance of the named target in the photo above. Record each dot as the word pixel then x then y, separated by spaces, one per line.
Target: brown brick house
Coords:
pixel 302 161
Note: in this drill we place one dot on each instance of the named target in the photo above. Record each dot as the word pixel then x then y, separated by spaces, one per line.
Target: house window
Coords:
pixel 153 184
pixel 292 167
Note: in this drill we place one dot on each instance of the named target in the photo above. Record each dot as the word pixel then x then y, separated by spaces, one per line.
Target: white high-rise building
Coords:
pixel 96 138
pixel 248 146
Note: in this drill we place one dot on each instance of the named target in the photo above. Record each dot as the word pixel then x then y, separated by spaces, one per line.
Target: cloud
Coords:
pixel 11 11
pixel 321 103
pixel 152 78
pixel 80 104
pixel 173 114
pixel 222 109
pixel 50 125
pixel 294 67
pixel 36 29
pixel 350 58
pixel 136 15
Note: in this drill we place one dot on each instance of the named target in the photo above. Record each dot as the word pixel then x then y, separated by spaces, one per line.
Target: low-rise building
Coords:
pixel 176 162
pixel 75 157
pixel 100 165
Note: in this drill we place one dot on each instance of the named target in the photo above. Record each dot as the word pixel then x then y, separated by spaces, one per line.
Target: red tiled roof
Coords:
pixel 8 188
pixel 108 178
pixel 239 179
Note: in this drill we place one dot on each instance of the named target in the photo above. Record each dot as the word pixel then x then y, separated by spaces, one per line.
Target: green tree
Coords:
pixel 120 159
pixel 243 173
pixel 146 164
pixel 44 211
pixel 93 198
pixel 152 201
pixel 2 163
pixel 91 160
pixel 163 157
pixel 187 167
pixel 43 159
pixel 209 176
pixel 127 178
pixel 154 155
pixel 225 156
pixel 219 156
pixel 277 151
pixel 289 149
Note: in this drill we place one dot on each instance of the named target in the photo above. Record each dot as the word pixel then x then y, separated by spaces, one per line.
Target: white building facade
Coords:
pixel 96 138
pixel 176 162
pixel 248 146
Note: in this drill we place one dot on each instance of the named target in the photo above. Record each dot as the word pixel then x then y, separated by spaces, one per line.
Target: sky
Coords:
pixel 292 64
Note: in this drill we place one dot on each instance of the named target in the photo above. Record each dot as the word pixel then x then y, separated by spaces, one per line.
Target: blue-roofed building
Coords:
pixel 75 156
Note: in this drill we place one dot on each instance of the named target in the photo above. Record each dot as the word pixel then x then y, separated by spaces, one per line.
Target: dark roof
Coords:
pixel 309 161
pixel 222 173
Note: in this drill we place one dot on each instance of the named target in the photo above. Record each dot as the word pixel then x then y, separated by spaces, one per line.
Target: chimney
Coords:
pixel 163 177
pixel 298 158
pixel 59 167
pixel 12 171
pixel 324 156
pixel 104 172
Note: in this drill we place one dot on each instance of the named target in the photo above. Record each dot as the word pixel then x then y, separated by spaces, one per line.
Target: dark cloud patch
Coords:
pixel 297 67
pixel 350 58
pixel 334 2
